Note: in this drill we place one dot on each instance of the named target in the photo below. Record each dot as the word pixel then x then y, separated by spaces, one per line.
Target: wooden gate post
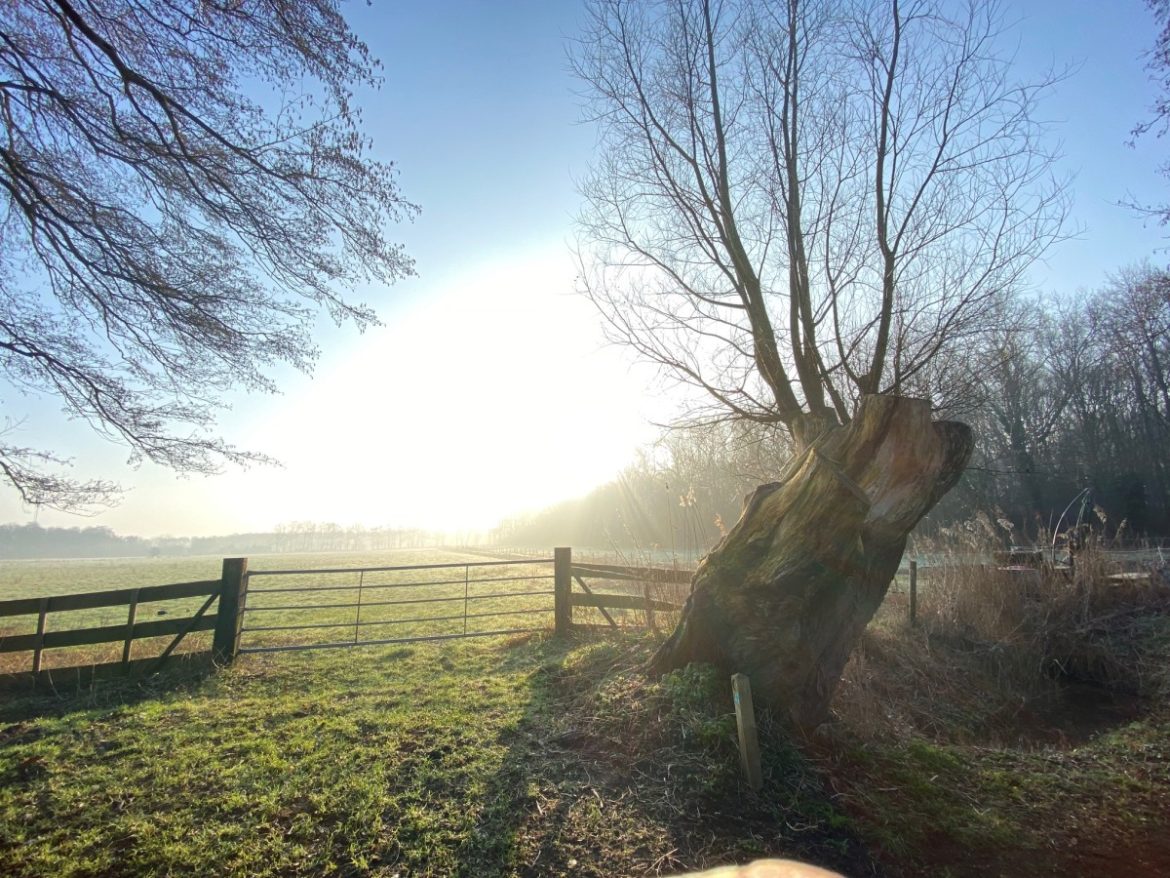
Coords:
pixel 562 589
pixel 229 617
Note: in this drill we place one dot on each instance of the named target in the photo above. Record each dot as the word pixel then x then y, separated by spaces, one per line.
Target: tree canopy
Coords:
pixel 1158 64
pixel 185 186
pixel 804 202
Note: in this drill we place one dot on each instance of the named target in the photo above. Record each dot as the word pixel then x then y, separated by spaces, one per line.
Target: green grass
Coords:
pixel 328 763
pixel 38 577
pixel 966 810
pixel 483 757
pixel 527 756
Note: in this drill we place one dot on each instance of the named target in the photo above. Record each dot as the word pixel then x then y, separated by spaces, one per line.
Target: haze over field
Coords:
pixel 489 390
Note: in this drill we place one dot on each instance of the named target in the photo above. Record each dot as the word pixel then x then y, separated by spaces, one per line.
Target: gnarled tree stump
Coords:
pixel 786 594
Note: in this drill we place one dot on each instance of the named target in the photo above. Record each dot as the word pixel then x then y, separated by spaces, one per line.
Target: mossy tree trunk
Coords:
pixel 785 595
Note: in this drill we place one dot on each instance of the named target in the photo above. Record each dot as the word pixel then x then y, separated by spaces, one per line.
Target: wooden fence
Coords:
pixel 224 621
pixel 566 572
pixel 229 595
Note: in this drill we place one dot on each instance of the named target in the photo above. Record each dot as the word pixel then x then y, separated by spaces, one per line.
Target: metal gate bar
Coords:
pixel 448 566
pixel 352 604
pixel 418 584
pixel 363 605
pixel 400 621
pixel 347 643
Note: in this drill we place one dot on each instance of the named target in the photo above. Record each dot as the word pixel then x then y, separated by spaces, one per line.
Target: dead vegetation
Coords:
pixel 1006 655
pixel 1018 728
pixel 660 755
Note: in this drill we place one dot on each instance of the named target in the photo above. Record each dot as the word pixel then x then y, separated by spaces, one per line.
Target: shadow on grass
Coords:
pixel 64 690
pixel 607 773
pixel 527 756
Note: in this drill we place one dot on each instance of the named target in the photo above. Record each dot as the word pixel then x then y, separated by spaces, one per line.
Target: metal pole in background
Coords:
pixel 358 618
pixel 913 593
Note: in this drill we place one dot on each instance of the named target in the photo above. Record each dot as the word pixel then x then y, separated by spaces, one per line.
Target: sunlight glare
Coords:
pixel 496 395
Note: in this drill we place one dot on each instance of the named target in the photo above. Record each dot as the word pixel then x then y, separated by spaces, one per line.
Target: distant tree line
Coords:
pixel 1072 406
pixel 34 541
pixel 1077 399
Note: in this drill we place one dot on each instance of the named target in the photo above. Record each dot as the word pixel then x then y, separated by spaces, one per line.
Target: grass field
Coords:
pixel 502 756
pixel 527 755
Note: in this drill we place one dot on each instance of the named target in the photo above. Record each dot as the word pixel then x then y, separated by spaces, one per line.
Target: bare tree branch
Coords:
pixel 866 177
pixel 167 237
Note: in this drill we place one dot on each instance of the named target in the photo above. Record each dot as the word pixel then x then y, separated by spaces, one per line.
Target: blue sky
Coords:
pixel 489 390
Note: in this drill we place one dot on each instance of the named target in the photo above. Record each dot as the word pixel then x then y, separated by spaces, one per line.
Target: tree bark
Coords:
pixel 786 594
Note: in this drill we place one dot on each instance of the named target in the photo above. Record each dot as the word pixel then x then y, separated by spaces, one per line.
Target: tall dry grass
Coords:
pixel 996 648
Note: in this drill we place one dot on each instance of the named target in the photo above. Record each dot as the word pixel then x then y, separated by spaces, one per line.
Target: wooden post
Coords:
pixel 128 645
pixel 562 589
pixel 913 593
pixel 44 609
pixel 745 719
pixel 229 618
pixel 650 621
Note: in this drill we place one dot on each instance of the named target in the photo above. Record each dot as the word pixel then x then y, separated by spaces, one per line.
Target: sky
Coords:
pixel 489 390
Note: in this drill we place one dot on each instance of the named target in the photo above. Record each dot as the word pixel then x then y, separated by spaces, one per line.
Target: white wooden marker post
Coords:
pixel 745 719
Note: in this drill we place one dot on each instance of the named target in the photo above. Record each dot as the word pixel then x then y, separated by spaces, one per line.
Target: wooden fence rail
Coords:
pixel 634 574
pixel 224 621
pixel 567 571
pixel 105 634
pixel 621 602
pixel 116 598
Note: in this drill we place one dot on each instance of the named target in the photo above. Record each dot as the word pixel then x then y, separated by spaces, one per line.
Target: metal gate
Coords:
pixel 378 605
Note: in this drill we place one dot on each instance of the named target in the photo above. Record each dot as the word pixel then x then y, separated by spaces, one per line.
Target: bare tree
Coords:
pixel 183 183
pixel 1130 320
pixel 798 207
pixel 1158 64
pixel 1080 400
pixel 1024 402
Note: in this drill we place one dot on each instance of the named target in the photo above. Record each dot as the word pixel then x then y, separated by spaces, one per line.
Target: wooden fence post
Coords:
pixel 913 593
pixel 745 720
pixel 128 646
pixel 229 617
pixel 562 589
pixel 43 609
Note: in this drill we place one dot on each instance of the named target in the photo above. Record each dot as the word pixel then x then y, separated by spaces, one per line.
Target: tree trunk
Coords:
pixel 786 594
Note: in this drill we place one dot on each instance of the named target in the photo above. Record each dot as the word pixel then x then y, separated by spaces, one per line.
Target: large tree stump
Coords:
pixel 786 594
